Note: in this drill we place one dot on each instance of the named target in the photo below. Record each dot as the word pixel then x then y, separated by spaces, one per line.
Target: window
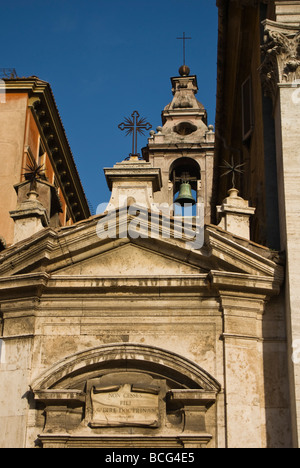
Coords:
pixel 42 155
pixel 247 109
pixel 185 128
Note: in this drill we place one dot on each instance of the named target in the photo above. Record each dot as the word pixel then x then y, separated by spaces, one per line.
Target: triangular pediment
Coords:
pixel 78 251
pixel 129 260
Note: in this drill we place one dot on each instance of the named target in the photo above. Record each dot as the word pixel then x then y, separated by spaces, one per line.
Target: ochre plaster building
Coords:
pixel 120 330
pixel 31 131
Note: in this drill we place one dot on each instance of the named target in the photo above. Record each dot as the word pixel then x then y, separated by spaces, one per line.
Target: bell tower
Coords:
pixel 183 147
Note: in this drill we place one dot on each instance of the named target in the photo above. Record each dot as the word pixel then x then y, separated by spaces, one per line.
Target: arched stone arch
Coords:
pixel 120 394
pixel 76 368
pixel 185 169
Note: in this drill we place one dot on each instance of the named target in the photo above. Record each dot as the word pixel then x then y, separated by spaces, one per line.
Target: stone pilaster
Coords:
pixel 243 356
pixel 281 81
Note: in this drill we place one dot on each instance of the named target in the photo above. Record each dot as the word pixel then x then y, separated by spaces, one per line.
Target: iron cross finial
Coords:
pixel 134 125
pixel 232 168
pixel 184 39
pixel 33 173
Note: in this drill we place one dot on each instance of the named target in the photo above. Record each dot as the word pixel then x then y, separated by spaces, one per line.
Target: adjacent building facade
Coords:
pixel 31 132
pixel 140 327
pixel 257 121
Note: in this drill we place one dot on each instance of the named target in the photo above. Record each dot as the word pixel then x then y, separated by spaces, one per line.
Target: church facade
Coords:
pixel 143 326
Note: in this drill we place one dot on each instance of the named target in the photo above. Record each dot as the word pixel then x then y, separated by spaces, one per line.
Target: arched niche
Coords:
pixel 106 393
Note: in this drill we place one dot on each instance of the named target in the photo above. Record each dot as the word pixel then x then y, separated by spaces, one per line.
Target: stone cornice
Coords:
pixel 139 441
pixel 244 257
pixel 23 286
pixel 138 172
pixel 240 282
pixel 193 284
pixel 252 284
pixel 237 284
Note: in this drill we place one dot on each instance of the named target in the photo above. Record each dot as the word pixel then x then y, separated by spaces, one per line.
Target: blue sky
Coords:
pixel 105 59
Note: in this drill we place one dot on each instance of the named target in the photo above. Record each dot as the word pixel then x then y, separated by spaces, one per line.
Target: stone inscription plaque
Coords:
pixel 124 405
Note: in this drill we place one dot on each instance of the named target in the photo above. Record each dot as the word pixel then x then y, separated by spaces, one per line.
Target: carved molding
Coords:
pixel 281 56
pixel 190 441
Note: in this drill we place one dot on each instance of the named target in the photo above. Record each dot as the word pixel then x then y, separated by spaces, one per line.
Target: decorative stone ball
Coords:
pixel 184 70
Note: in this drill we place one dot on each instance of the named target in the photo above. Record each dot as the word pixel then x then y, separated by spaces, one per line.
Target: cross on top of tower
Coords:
pixel 184 39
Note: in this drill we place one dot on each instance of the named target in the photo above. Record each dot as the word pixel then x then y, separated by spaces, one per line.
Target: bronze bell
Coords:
pixel 185 196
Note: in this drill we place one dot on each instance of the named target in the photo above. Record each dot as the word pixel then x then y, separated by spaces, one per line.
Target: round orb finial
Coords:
pixel 184 70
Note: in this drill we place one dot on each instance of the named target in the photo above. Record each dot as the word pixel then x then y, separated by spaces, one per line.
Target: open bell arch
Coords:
pixel 185 170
